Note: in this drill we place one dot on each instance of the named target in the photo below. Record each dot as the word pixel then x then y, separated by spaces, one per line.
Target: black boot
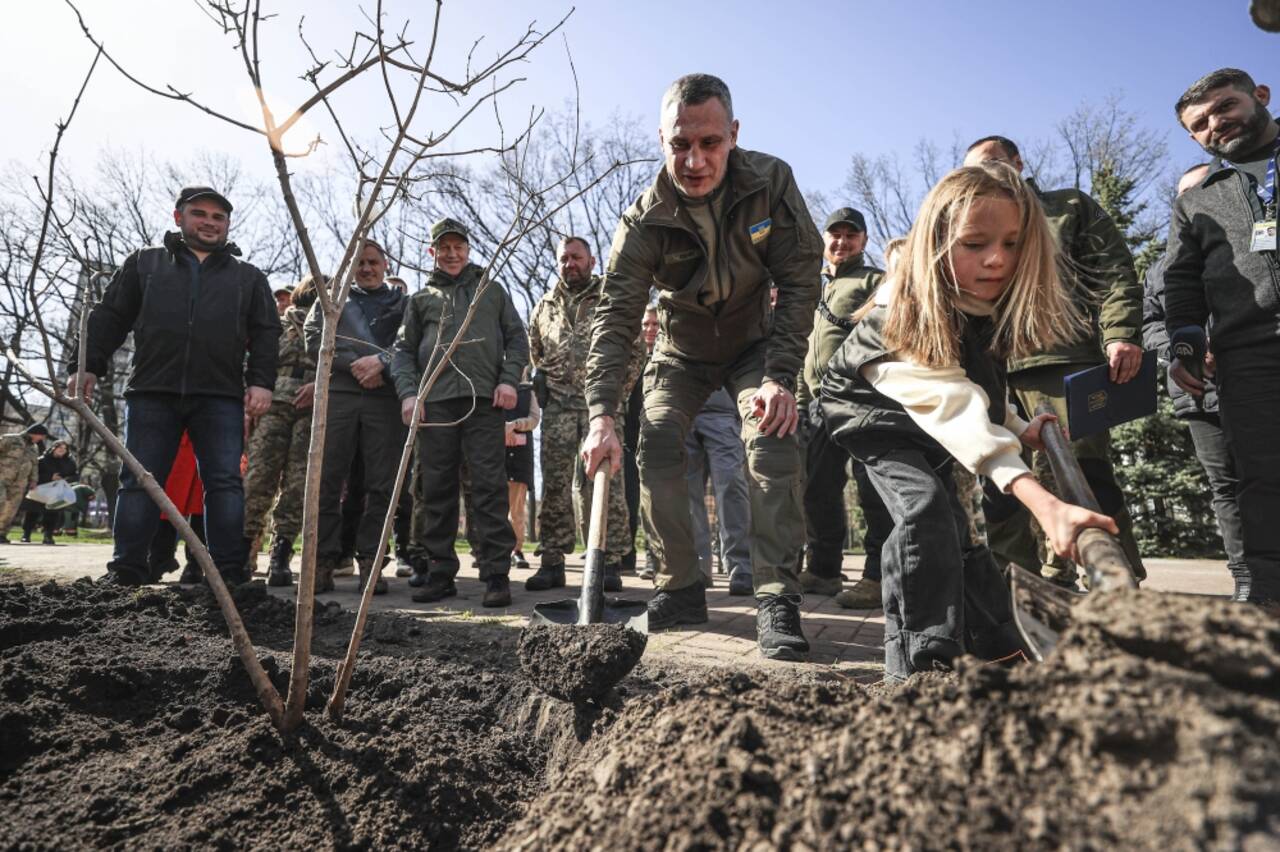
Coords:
pixel 682 606
pixel 278 573
pixel 497 591
pixel 612 578
pixel 190 574
pixel 366 571
pixel 778 628
pixel 550 575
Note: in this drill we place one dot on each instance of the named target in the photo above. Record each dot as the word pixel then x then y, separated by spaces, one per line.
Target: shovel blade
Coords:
pixel 633 614
pixel 1041 610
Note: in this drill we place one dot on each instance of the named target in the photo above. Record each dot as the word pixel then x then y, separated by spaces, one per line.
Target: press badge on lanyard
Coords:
pixel 1264 232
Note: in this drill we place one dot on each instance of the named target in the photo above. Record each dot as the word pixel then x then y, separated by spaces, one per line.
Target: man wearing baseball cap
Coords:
pixel 466 411
pixel 848 282
pixel 18 459
pixel 205 328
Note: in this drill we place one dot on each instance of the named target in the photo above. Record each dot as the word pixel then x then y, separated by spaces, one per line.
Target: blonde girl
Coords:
pixel 920 384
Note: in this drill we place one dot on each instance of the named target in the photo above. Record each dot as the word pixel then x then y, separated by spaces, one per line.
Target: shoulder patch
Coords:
pixel 760 230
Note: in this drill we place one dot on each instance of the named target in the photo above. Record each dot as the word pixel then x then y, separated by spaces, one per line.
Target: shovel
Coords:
pixel 1041 609
pixel 592 607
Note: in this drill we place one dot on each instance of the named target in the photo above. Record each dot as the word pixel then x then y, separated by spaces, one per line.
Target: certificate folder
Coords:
pixel 1095 403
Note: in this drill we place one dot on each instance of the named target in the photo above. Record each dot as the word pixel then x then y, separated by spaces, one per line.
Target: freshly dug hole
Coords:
pixel 579 662
pixel 1156 725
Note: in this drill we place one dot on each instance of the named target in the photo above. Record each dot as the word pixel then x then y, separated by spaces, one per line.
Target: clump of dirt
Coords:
pixel 578 663
pixel 1155 725
pixel 126 718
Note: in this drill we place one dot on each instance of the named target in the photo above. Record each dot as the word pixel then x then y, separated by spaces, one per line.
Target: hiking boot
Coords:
pixel 864 594
pixel 191 574
pixel 404 568
pixel 116 577
pixel 324 575
pixel 612 581
pixel 646 572
pixel 436 589
pixel 816 585
pixel 497 591
pixel 550 575
pixel 679 606
pixel 345 567
pixel 48 539
pixel 234 575
pixel 278 573
pixel 741 583
pixel 366 571
pixel 778 628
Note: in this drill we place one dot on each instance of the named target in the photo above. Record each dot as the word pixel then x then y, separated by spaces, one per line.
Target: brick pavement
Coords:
pixel 847 642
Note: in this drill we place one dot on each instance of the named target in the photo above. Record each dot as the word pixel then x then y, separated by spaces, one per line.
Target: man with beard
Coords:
pixel 204 329
pixel 718 227
pixel 559 334
pixel 1223 275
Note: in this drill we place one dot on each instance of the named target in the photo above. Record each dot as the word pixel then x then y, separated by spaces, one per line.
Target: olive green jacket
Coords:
pixel 1099 268
pixel 494 351
pixel 853 283
pixel 766 237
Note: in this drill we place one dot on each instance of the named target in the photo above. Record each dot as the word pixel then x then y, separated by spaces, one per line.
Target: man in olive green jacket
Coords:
pixel 465 408
pixel 715 229
pixel 1096 256
pixel 850 282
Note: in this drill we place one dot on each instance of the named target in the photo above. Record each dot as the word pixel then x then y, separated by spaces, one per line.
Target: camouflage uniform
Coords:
pixel 280 440
pixel 559 336
pixel 18 460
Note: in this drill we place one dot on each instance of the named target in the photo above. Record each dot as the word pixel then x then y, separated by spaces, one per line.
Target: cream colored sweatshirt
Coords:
pixel 952 410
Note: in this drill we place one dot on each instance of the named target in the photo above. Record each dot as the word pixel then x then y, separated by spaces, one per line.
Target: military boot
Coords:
pixel 682 606
pixel 612 581
pixel 278 573
pixel 324 575
pixel 550 575
pixel 366 571
pixel 778 628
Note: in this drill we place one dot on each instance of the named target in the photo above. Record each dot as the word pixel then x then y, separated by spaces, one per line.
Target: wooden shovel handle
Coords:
pixel 599 508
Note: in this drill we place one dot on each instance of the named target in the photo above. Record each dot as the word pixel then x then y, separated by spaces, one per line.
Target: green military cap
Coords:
pixel 846 216
pixel 448 226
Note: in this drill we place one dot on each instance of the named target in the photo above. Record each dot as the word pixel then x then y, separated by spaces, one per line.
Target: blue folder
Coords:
pixel 1095 403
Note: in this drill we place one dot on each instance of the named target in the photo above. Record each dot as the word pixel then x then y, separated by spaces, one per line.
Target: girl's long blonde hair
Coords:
pixel 1035 311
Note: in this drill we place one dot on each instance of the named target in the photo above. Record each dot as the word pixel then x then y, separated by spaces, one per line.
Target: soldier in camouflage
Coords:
pixel 19 456
pixel 279 443
pixel 559 335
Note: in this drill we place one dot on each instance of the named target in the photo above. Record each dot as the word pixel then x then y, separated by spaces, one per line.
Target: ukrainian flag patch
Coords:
pixel 760 231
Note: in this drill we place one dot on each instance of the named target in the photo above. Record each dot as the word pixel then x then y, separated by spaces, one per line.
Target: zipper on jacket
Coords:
pixel 191 313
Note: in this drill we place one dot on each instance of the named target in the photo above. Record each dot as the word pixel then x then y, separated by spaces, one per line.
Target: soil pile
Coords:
pixel 1154 725
pixel 579 662
pixel 125 717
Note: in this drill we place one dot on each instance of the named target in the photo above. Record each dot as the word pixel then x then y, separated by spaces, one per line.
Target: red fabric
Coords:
pixel 183 485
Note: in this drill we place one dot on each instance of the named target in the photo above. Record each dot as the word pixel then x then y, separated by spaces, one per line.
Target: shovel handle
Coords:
pixel 599 524
pixel 1103 558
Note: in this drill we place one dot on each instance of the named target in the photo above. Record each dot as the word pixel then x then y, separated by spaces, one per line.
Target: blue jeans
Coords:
pixel 153 430
pixel 716 450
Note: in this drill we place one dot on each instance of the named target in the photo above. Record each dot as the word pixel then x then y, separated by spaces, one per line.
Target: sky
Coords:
pixel 813 82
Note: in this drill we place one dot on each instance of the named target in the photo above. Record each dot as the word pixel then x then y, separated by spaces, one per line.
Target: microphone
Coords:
pixel 1189 344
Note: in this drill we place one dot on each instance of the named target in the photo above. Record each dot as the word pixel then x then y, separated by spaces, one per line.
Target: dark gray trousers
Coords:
pixel 368 425
pixel 943 594
pixel 1211 450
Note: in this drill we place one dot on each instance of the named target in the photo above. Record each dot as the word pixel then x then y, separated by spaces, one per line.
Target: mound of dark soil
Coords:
pixel 1154 726
pixel 579 662
pixel 125 717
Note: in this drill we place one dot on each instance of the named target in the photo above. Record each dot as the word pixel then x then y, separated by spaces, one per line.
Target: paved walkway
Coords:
pixel 846 641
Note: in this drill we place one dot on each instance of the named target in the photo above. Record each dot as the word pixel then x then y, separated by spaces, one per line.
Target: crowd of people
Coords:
pixel 728 341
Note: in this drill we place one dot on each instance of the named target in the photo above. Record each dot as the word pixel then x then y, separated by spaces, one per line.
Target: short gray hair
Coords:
pixel 1200 89
pixel 694 89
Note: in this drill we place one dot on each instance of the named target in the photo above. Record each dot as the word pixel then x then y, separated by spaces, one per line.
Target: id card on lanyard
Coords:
pixel 1264 232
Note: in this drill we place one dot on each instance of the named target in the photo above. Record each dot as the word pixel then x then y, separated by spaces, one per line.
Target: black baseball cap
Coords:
pixel 191 193
pixel 847 216
pixel 449 226
pixel 37 429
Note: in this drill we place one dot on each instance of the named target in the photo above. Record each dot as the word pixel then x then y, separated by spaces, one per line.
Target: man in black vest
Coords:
pixel 205 329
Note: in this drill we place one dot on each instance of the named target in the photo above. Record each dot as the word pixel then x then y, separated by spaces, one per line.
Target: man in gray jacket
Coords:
pixel 363 416
pixel 1223 276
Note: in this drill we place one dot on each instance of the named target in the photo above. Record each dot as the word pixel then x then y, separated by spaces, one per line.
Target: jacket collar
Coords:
pixel 469 274
pixel 174 242
pixel 664 204
pixel 564 294
pixel 849 264
pixel 1220 165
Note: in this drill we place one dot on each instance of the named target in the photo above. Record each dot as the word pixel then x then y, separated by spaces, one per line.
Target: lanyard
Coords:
pixel 1267 189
